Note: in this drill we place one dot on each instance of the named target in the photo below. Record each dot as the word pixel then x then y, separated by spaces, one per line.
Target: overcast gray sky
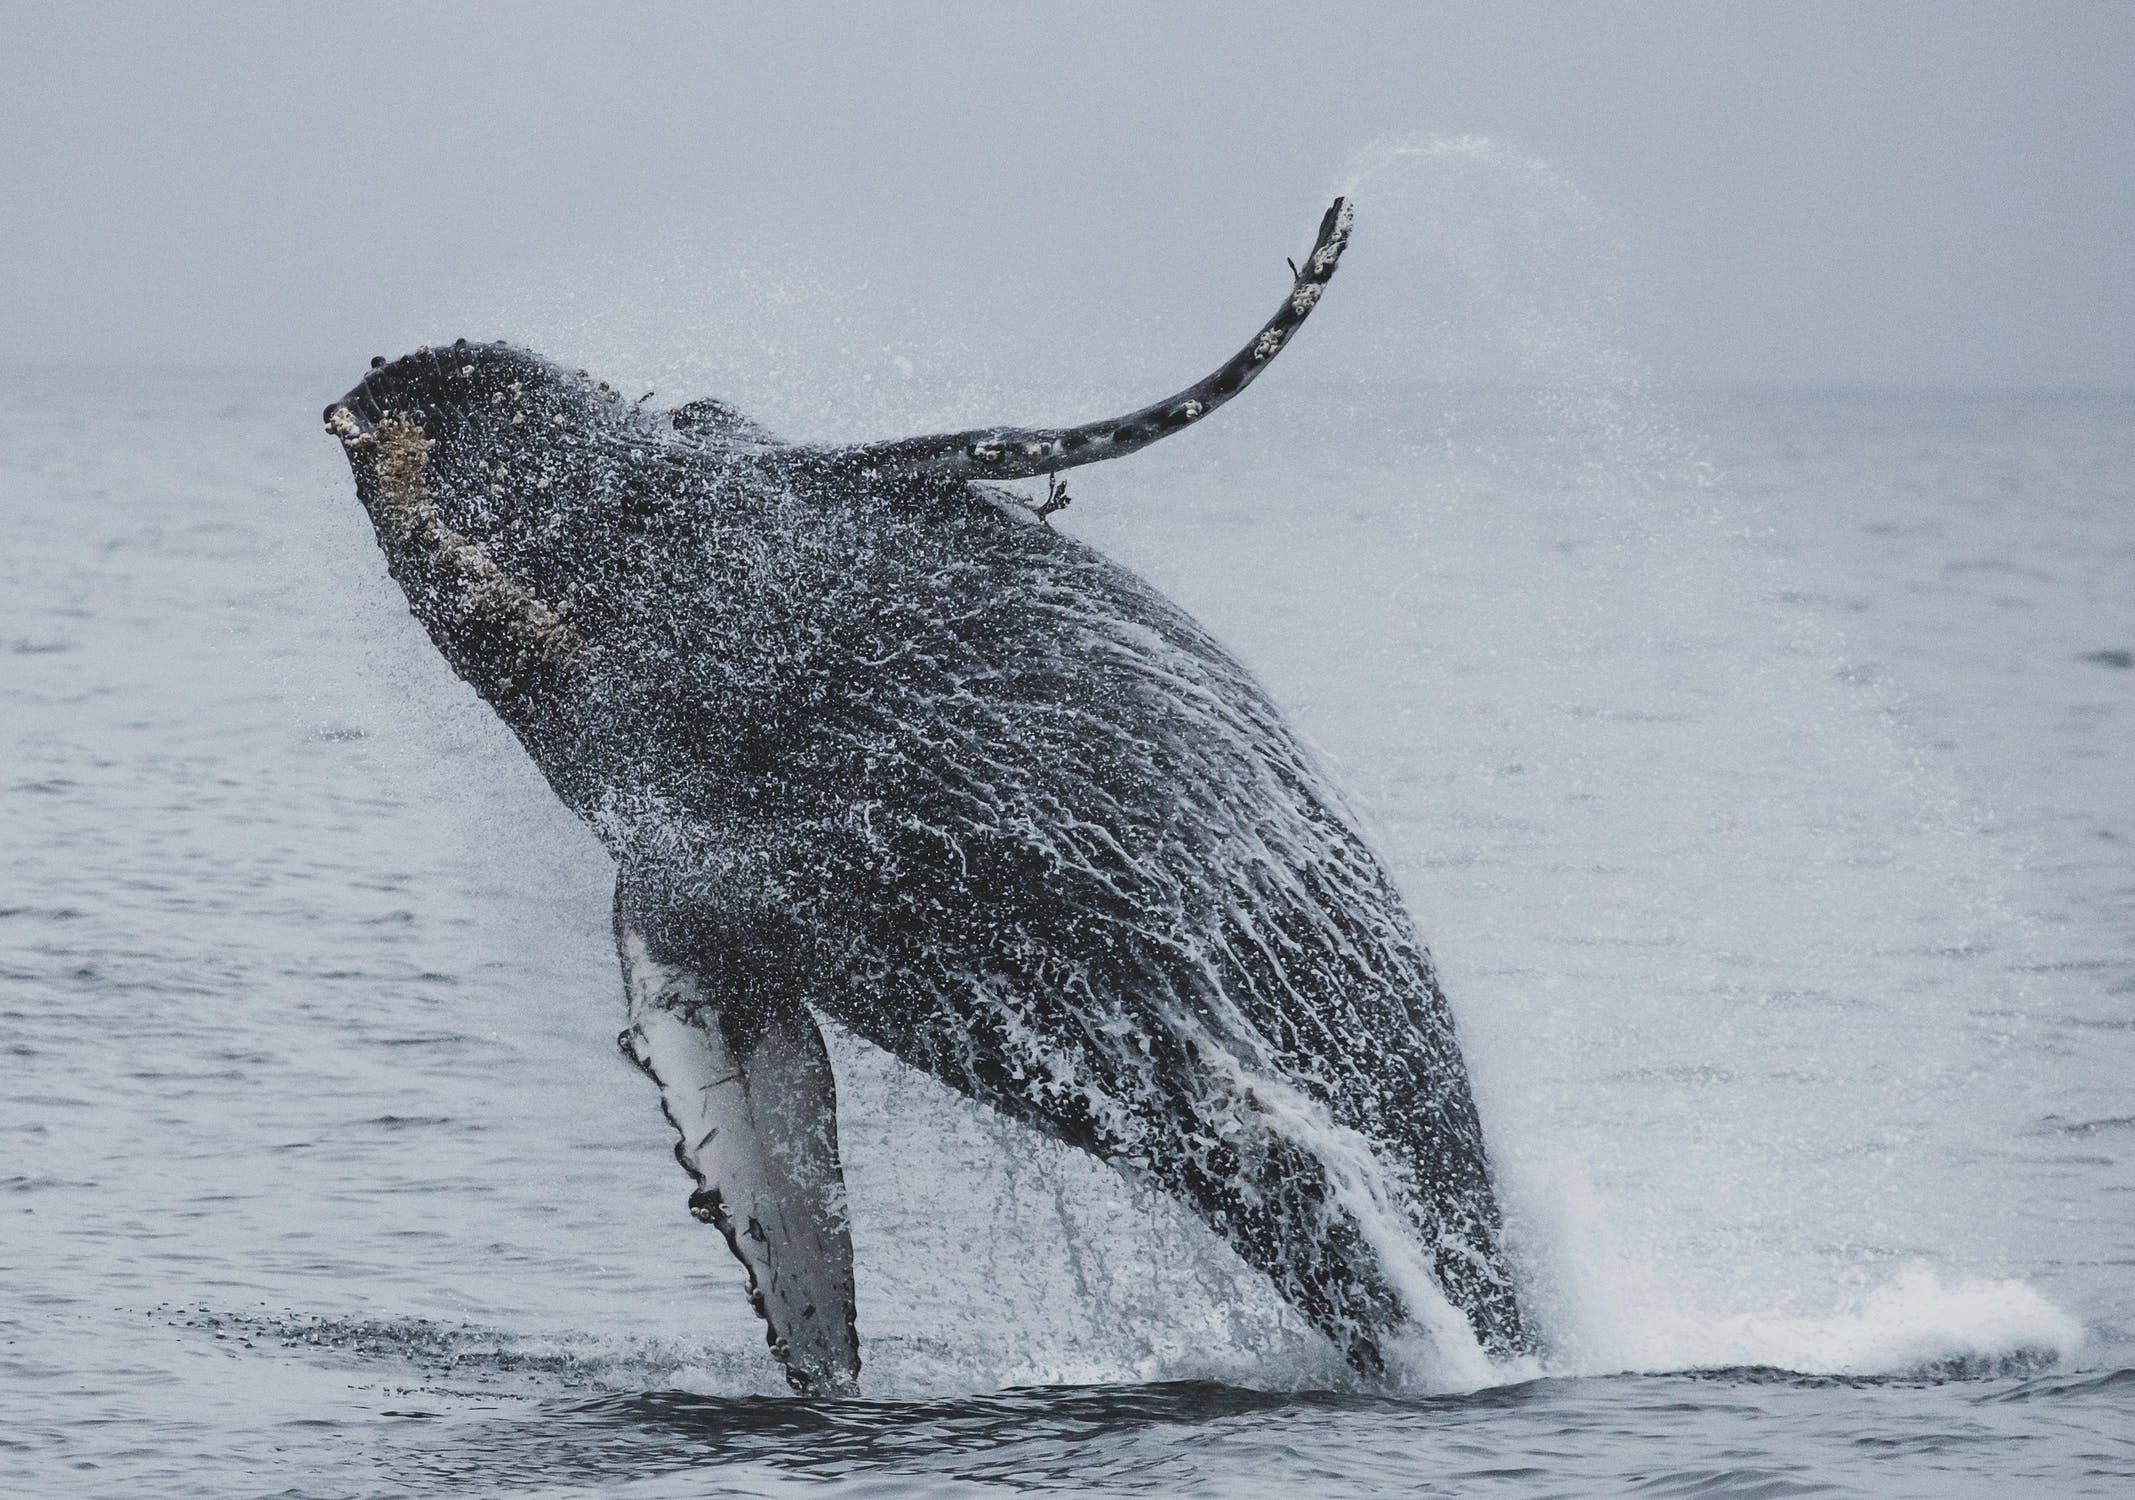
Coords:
pixel 1833 194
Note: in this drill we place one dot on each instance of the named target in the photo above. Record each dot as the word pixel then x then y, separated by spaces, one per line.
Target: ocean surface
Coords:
pixel 1758 765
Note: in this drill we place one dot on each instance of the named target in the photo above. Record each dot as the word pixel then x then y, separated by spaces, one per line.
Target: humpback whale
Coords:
pixel 869 739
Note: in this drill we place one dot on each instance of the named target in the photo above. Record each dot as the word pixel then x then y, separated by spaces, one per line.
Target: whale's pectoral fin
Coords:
pixel 1026 452
pixel 748 1088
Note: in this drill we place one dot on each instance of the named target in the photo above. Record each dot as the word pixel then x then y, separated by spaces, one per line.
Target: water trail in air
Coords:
pixel 1729 955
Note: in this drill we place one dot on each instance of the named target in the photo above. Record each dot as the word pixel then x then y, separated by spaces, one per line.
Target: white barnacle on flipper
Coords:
pixel 1308 293
pixel 1192 410
pixel 1269 341
pixel 1324 258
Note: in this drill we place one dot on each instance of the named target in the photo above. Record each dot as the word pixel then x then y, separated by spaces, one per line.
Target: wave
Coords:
pixel 1920 1324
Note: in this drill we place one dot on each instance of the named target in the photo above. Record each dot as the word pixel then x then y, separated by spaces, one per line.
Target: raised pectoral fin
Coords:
pixel 754 1107
pixel 1023 452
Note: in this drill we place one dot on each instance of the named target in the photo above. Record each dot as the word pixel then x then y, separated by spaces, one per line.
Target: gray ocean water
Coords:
pixel 1757 764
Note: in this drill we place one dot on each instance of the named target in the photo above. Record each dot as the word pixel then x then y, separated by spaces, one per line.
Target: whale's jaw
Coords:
pixel 459 455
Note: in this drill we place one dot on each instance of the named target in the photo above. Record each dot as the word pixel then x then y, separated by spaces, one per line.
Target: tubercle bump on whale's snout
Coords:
pixel 354 418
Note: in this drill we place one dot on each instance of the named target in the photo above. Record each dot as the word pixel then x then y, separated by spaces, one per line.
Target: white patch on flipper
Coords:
pixel 758 1133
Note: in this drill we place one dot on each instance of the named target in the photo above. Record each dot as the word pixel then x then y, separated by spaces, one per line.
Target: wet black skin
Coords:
pixel 888 748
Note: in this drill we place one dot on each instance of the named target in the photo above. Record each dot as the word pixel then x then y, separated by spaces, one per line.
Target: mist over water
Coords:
pixel 1746 910
pixel 1751 763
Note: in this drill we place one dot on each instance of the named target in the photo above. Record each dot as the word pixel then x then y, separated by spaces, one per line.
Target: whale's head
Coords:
pixel 489 442
pixel 512 496
pixel 492 477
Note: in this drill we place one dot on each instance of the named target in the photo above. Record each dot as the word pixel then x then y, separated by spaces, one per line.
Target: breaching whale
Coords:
pixel 867 738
